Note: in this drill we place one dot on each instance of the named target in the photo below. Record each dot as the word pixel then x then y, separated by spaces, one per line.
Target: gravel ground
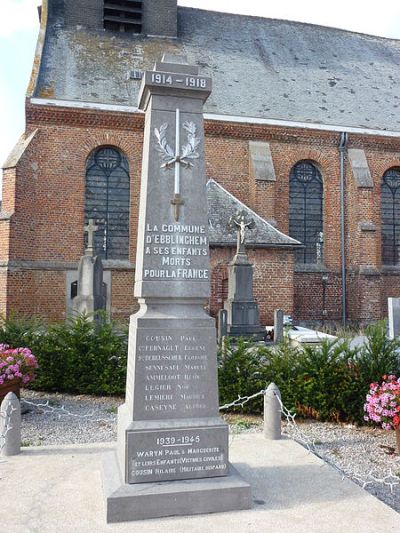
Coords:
pixel 363 454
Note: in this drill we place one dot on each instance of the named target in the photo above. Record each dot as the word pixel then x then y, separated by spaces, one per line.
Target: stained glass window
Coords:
pixel 390 216
pixel 107 201
pixel 305 210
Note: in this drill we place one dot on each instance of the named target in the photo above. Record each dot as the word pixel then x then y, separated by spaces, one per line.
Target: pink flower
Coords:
pixel 16 363
pixel 383 402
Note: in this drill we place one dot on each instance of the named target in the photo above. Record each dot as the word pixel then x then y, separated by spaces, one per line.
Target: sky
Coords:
pixel 19 25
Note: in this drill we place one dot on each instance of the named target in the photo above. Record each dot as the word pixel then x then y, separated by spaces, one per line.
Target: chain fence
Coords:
pixel 292 430
pixel 61 411
pixel 241 400
pixel 390 480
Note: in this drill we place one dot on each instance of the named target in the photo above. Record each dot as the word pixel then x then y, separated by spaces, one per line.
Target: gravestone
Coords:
pixel 222 325
pixel 172 450
pixel 394 317
pixel 91 291
pixel 278 325
pixel 243 313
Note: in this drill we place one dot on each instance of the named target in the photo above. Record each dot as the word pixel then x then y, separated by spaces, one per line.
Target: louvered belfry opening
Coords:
pixel 123 15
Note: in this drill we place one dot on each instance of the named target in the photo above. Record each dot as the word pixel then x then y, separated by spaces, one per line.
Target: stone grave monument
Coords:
pixel 91 295
pixel 278 325
pixel 394 317
pixel 243 314
pixel 172 450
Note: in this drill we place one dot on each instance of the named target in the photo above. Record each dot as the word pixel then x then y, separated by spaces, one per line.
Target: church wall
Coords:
pixel 88 13
pixel 391 288
pixel 60 187
pixel 36 293
pixel 317 297
pixel 49 210
pixel 369 282
pixel 122 300
pixel 3 291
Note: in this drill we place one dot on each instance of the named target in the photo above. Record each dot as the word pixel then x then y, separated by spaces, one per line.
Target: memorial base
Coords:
pixel 128 502
pixel 255 333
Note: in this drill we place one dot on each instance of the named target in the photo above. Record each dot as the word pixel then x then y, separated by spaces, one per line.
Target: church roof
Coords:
pixel 222 205
pixel 262 68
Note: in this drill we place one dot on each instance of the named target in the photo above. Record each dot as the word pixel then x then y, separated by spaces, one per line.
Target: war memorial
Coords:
pixel 172 454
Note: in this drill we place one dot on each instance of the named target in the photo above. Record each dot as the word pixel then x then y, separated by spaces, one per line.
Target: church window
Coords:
pixel 305 210
pixel 390 216
pixel 123 15
pixel 107 202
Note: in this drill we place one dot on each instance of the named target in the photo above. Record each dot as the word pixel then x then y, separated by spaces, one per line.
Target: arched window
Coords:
pixel 305 210
pixel 390 215
pixel 107 201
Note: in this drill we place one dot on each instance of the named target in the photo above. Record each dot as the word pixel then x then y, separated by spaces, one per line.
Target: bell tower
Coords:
pixel 140 17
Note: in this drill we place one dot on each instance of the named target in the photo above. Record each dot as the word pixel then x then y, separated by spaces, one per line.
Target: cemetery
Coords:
pixel 206 411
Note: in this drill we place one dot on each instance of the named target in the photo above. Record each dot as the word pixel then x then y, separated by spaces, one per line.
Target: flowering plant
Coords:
pixel 16 363
pixel 383 403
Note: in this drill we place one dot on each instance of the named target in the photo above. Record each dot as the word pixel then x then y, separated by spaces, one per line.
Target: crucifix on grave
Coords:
pixel 91 290
pixel 243 316
pixel 175 158
pixel 242 221
pixel 90 229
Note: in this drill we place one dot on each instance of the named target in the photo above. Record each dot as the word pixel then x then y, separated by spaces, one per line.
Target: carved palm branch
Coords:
pixel 189 151
pixel 167 154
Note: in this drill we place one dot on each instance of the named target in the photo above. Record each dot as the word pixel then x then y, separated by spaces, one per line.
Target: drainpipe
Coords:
pixel 342 151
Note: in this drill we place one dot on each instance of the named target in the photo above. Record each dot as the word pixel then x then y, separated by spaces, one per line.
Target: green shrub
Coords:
pixel 240 372
pixel 379 356
pixel 78 355
pixel 323 379
pixel 328 381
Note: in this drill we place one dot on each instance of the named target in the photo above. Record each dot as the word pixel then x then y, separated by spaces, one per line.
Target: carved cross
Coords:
pixel 241 221
pixel 90 229
pixel 177 200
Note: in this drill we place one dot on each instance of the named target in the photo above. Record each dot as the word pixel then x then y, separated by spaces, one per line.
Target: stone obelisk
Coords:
pixel 172 452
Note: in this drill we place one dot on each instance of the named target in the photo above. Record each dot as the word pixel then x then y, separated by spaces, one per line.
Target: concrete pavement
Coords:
pixel 58 489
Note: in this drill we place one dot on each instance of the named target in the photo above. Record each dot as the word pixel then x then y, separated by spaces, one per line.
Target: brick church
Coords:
pixel 302 130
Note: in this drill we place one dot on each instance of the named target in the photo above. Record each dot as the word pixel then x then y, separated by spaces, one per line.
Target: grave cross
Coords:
pixel 242 221
pixel 90 229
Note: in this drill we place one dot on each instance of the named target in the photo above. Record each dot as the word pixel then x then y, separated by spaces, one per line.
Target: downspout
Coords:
pixel 342 151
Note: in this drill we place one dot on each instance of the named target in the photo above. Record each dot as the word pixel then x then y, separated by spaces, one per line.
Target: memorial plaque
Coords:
pixel 182 453
pixel 169 427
